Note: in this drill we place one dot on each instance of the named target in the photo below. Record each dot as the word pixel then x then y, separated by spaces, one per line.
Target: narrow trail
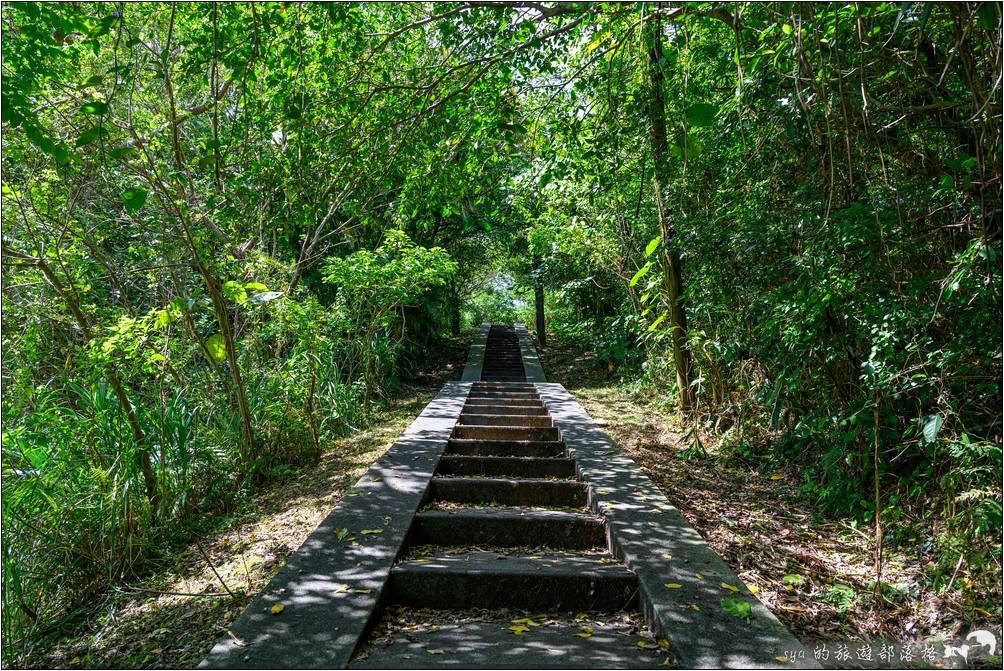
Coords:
pixel 509 531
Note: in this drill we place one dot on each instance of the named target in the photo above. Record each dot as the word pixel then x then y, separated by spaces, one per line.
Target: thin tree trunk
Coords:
pixel 876 458
pixel 538 303
pixel 671 263
pixel 223 320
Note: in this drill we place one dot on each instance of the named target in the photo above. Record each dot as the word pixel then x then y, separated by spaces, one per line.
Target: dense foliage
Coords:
pixel 224 225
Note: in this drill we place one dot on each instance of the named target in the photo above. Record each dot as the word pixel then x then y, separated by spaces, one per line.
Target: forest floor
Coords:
pixel 172 617
pixel 815 575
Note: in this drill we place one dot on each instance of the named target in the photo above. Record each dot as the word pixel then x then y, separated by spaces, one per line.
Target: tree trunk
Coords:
pixel 223 320
pixel 672 271
pixel 538 303
pixel 454 311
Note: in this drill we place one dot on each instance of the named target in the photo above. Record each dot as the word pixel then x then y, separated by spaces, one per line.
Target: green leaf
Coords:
pixel 793 579
pixel 738 608
pixel 786 29
pixel 91 135
pixel 658 321
pixel 96 107
pixel 650 247
pixel 989 14
pixel 256 286
pixel 133 199
pixel 235 292
pixel 932 426
pixel 217 347
pixel 640 274
pixel 702 114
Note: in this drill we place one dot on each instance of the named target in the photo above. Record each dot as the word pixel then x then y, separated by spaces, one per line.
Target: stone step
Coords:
pixel 488 643
pixel 540 582
pixel 512 386
pixel 509 527
pixel 506 492
pixel 518 467
pixel 505 409
pixel 505 448
pixel 504 395
pixel 480 419
pixel 504 402
pixel 479 432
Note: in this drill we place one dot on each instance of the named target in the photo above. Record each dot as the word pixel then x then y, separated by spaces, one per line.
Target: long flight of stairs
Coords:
pixel 506 525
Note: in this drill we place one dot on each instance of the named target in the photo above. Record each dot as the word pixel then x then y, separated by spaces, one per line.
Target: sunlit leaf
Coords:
pixel 217 347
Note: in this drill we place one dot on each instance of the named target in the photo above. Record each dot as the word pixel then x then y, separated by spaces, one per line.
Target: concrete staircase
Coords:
pixel 506 481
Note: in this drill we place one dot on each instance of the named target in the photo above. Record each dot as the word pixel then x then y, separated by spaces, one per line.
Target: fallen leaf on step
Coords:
pixel 738 608
pixel 362 591
pixel 663 644
pixel 340 534
pixel 435 651
pixel 672 585
pixel 753 588
pixel 341 589
pixel 731 588
pixel 699 576
pixel 782 659
pixel 366 532
pixel 586 632
pixel 666 556
pixel 519 629
pixel 277 608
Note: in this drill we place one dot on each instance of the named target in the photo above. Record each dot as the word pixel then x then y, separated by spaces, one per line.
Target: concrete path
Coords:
pixel 505 504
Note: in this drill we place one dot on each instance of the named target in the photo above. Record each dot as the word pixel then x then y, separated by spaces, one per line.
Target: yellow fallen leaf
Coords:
pixel 793 609
pixel 581 617
pixel 435 651
pixel 277 608
pixel 985 613
pixel 731 588
pixel 777 477
pixel 586 632
pixel 422 561
pixel 362 591
pixel 665 662
pixel 782 659
pixel 967 582
pixel 753 588
pixel 699 576
pixel 519 629
pixel 367 532
pixel 341 589
pixel 694 606
pixel 672 585
pixel 666 556
pixel 663 644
